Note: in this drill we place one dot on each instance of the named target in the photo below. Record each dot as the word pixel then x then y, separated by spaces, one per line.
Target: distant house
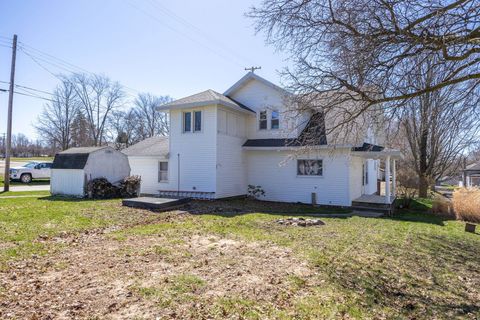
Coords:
pixel 471 175
pixel 220 144
pixel 73 168
pixel 149 160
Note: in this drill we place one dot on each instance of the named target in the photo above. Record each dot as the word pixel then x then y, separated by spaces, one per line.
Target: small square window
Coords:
pixel 310 167
pixel 197 119
pixel 187 122
pixel 162 171
pixel 275 120
pixel 263 120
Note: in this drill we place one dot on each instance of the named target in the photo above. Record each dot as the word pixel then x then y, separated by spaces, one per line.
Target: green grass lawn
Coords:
pixel 410 266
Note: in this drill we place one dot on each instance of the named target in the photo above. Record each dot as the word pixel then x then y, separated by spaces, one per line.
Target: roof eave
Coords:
pixel 203 104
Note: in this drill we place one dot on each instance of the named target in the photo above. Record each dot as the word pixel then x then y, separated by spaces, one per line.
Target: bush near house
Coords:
pixel 466 203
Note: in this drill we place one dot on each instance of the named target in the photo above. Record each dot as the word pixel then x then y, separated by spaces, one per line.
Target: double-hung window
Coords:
pixel 263 120
pixel 163 171
pixel 187 122
pixel 310 167
pixel 192 121
pixel 275 121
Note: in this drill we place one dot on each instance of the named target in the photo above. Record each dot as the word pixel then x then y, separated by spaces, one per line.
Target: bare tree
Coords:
pixel 124 126
pixel 438 126
pixel 98 96
pixel 363 49
pixel 152 122
pixel 54 124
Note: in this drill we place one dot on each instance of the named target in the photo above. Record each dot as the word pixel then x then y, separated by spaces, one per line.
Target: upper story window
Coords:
pixel 275 121
pixel 187 122
pixel 197 117
pixel 192 121
pixel 263 120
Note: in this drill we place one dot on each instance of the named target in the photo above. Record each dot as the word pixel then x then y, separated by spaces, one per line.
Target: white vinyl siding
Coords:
pixel 69 182
pixel 278 177
pixel 309 167
pixel 145 167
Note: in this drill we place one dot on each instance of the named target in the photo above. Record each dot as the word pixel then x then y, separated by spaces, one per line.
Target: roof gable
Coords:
pixel 249 77
pixel 207 97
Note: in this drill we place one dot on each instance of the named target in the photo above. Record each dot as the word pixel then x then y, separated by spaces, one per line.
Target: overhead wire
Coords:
pixel 184 34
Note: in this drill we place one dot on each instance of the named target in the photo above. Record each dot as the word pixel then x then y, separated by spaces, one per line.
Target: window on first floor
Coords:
pixel 263 120
pixel 163 171
pixel 275 122
pixel 310 167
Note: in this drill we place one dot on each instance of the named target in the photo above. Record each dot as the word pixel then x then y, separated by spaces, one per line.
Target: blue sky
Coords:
pixel 165 47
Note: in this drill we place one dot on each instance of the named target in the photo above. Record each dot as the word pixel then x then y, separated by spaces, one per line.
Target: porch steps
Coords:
pixel 366 208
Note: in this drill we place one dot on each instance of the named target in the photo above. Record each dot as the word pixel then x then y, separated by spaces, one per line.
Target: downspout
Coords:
pixel 178 174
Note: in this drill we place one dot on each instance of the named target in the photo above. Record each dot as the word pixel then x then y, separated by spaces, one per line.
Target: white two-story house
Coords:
pixel 219 144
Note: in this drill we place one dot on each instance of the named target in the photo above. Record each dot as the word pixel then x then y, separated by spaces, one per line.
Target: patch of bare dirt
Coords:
pixel 145 277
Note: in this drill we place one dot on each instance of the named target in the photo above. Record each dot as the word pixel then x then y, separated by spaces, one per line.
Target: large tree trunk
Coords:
pixel 423 183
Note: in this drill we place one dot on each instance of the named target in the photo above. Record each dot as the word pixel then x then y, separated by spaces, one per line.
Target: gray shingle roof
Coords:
pixel 473 167
pixel 204 98
pixel 312 135
pixel 154 146
pixel 83 150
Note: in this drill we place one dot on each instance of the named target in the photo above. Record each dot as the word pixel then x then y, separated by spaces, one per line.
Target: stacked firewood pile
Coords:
pixel 130 187
pixel 101 188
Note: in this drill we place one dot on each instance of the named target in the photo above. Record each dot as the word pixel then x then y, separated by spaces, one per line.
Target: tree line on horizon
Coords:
pixel 92 110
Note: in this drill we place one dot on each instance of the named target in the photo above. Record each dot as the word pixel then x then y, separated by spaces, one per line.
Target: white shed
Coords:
pixel 149 159
pixel 73 168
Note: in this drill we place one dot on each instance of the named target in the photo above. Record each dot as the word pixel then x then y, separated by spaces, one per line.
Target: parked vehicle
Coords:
pixel 30 171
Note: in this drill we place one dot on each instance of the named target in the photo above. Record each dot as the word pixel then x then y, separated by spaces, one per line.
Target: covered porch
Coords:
pixel 386 195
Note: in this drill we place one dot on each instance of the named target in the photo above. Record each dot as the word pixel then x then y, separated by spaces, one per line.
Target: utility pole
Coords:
pixel 6 177
pixel 252 69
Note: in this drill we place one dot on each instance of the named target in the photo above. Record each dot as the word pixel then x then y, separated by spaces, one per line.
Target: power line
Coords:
pixel 36 60
pixel 187 23
pixel 183 34
pixel 59 63
pixel 29 88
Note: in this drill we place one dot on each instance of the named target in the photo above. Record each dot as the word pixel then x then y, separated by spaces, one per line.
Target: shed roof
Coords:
pixel 70 160
pixel 204 98
pixel 83 149
pixel 74 158
pixel 154 146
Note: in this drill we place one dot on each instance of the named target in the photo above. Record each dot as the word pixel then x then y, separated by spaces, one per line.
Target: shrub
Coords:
pixel 466 203
pixel 255 192
pixel 443 207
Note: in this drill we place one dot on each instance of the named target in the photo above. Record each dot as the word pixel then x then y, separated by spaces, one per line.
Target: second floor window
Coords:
pixel 197 118
pixel 263 120
pixel 192 121
pixel 275 120
pixel 187 122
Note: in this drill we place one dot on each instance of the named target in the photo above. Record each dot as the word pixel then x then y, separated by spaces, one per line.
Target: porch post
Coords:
pixel 394 178
pixel 387 179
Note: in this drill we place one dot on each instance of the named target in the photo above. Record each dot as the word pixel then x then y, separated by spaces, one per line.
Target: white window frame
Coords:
pixel 260 119
pixel 193 120
pixel 306 175
pixel 184 122
pixel 160 172
pixel 271 119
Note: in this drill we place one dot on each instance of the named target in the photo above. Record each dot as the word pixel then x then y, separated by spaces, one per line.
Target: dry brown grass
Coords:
pixel 443 207
pixel 466 203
